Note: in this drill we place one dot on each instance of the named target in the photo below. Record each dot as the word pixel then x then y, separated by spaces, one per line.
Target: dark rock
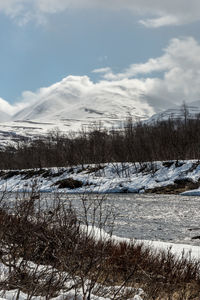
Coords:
pixel 69 183
pixel 31 173
pixel 194 229
pixel 183 181
pixel 179 164
pixel 196 237
pixel 168 164
pixel 10 174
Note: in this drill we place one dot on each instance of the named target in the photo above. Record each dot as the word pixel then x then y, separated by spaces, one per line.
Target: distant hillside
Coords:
pixel 177 112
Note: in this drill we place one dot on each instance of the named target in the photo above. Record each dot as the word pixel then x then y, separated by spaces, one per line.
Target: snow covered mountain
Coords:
pixel 93 108
pixel 71 111
pixel 4 116
pixel 192 110
pixel 69 106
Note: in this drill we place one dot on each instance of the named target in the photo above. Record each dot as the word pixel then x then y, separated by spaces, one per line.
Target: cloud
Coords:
pixel 181 53
pixel 161 21
pixel 5 107
pixel 9 109
pixel 153 13
pixel 102 70
pixel 73 86
pixel 155 85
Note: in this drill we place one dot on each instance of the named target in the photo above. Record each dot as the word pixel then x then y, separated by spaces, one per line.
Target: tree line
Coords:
pixel 174 139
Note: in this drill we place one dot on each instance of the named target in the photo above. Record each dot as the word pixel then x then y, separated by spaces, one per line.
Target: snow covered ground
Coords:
pixel 13 295
pixel 140 215
pixel 159 221
pixel 182 176
pixel 72 294
pixel 189 251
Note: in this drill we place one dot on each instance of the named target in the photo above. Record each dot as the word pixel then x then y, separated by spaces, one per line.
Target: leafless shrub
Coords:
pixel 46 251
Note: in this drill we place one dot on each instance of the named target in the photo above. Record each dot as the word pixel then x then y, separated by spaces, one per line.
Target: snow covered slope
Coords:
pixel 169 177
pixel 177 112
pixel 4 116
pixel 5 110
pixel 72 109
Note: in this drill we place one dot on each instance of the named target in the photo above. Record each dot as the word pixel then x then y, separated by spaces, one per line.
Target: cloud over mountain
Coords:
pixel 5 107
pixel 152 86
pixel 77 97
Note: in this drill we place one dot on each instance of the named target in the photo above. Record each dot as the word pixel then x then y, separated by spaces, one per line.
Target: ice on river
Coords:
pixel 167 218
pixel 161 218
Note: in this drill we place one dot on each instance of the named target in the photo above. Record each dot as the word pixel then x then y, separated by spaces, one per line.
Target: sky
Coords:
pixel 150 46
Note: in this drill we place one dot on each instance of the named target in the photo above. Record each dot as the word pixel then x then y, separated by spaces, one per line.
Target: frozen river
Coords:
pixel 169 218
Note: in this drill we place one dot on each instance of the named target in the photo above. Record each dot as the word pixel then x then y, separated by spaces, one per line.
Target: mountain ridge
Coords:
pixel 71 114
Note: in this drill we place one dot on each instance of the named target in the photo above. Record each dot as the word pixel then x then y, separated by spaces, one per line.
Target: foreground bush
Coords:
pixel 49 250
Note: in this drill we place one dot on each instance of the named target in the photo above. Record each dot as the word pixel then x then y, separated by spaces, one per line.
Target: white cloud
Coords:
pixel 102 70
pixel 181 53
pixel 5 107
pixel 153 13
pixel 9 109
pixel 178 81
pixel 161 21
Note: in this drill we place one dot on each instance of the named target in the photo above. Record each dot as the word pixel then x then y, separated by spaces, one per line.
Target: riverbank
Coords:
pixel 169 177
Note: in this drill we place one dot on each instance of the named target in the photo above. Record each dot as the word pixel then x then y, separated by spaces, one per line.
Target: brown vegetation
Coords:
pixel 179 186
pixel 55 238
